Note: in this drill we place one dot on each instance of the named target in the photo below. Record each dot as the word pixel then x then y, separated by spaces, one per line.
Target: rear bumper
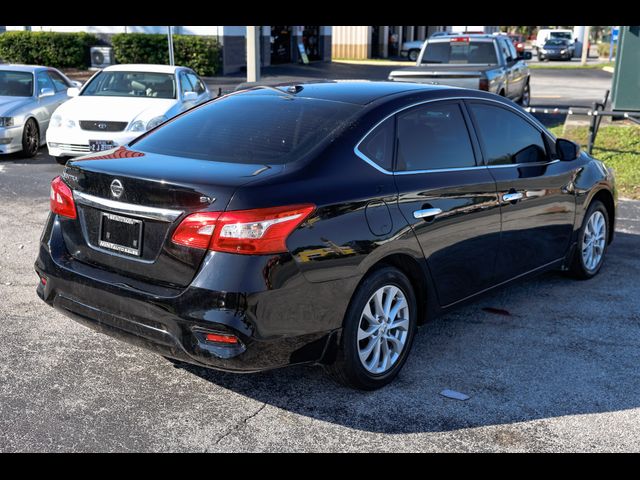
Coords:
pixel 173 322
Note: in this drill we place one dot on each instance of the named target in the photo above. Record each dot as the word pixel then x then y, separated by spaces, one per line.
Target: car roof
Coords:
pixel 359 92
pixel 143 67
pixel 22 68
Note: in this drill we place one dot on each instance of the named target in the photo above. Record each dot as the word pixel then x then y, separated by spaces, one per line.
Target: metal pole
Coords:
pixel 253 54
pixel 593 128
pixel 585 45
pixel 170 39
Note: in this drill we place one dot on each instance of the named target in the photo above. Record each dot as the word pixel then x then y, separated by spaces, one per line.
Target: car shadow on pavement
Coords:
pixel 546 347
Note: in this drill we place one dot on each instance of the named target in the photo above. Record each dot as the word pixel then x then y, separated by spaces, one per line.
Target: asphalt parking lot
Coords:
pixel 556 370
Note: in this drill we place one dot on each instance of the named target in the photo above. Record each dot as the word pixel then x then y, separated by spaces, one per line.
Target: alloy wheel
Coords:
pixel 593 240
pixel 383 329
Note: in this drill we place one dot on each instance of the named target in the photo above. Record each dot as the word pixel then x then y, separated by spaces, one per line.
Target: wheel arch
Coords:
pixel 606 197
pixel 418 274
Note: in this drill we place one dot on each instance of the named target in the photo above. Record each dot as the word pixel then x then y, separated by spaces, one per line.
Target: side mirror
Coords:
pixel 47 92
pixel 76 83
pixel 525 56
pixel 189 96
pixel 567 150
pixel 73 92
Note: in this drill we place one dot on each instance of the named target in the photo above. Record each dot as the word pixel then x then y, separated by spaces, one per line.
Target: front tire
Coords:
pixel 378 331
pixel 62 160
pixel 30 138
pixel 413 55
pixel 593 237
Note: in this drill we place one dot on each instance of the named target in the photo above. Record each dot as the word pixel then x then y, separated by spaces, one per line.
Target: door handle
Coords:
pixel 427 212
pixel 512 197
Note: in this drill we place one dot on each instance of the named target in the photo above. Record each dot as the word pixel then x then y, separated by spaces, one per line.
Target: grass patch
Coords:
pixel 618 146
pixel 562 66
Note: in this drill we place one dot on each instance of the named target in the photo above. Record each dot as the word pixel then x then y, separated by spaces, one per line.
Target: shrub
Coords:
pixel 603 49
pixel 202 54
pixel 52 49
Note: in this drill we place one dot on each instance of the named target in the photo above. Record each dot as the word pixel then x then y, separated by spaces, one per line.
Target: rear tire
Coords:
pixel 62 160
pixel 30 138
pixel 593 239
pixel 378 331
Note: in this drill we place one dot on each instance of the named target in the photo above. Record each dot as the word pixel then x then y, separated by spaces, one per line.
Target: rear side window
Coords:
pixel 378 145
pixel 433 137
pixel 251 128
pixel 506 137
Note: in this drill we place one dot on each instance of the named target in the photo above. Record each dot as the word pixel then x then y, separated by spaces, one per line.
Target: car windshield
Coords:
pixel 565 35
pixel 132 84
pixel 16 84
pixel 556 42
pixel 252 128
pixel 460 51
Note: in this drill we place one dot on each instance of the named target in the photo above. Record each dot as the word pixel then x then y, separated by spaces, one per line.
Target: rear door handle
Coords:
pixel 427 212
pixel 512 197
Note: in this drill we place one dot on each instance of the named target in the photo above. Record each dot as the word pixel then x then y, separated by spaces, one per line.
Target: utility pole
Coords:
pixel 585 45
pixel 170 39
pixel 253 53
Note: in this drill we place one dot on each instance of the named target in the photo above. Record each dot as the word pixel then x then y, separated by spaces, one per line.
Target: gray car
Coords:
pixel 29 94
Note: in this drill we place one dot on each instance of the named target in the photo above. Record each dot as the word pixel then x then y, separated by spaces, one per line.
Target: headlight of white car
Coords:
pixel 141 126
pixel 57 121
pixel 6 122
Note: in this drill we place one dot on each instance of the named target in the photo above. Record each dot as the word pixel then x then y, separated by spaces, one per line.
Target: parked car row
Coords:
pixel 115 106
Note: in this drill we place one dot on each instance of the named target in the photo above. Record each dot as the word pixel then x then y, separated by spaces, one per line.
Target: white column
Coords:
pixel 253 53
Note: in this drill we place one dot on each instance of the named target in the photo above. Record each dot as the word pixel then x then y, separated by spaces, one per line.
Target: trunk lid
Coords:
pixel 465 76
pixel 129 203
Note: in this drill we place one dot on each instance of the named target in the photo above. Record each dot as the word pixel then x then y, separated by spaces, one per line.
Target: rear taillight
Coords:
pixel 61 199
pixel 258 231
pixel 484 84
pixel 221 338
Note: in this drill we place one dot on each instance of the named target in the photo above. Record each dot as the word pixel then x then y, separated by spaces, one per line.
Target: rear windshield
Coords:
pixel 565 35
pixel 131 84
pixel 250 128
pixel 16 84
pixel 460 52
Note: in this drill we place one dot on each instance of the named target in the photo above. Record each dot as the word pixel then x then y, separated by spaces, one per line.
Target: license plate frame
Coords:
pixel 96 146
pixel 113 246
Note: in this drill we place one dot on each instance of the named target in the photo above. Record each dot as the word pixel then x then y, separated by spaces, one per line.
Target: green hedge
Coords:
pixel 202 54
pixel 47 48
pixel 603 49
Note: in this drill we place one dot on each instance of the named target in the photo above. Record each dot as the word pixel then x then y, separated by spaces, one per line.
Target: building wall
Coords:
pixel 350 41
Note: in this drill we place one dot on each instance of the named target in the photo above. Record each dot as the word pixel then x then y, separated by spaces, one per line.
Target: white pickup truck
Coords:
pixel 477 61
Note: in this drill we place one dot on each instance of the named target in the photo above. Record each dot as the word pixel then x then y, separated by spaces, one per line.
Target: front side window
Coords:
pixel 196 83
pixel 131 84
pixel 58 82
pixel 461 50
pixel 433 137
pixel 378 145
pixel 43 82
pixel 16 84
pixel 185 84
pixel 506 53
pixel 506 137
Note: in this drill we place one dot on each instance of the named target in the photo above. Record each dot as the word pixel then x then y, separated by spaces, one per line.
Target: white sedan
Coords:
pixel 120 103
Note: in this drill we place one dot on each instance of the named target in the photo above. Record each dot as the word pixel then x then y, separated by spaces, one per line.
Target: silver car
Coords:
pixel 29 95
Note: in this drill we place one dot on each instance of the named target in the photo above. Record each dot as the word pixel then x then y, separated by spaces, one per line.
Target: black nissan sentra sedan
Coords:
pixel 317 223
